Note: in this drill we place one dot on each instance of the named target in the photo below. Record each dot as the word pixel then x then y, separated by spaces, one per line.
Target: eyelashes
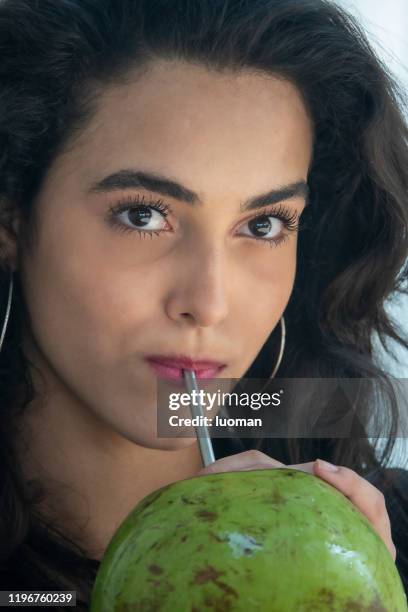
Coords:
pixel 147 209
pixel 136 203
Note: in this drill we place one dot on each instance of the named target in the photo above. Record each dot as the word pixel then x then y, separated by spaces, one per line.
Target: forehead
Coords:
pixel 189 121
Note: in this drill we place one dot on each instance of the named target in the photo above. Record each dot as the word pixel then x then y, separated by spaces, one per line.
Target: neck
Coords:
pixel 92 480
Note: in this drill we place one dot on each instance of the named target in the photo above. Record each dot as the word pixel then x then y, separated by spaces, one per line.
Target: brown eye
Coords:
pixel 262 226
pixel 139 216
pixel 268 227
pixel 142 217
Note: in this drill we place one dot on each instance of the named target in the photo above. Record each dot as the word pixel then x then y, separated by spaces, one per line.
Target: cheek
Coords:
pixel 267 287
pixel 80 301
pixel 270 274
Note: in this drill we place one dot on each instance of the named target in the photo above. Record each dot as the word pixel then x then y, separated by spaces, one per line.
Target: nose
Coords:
pixel 200 295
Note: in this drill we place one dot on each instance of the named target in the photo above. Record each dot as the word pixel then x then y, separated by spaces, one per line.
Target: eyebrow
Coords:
pixel 134 179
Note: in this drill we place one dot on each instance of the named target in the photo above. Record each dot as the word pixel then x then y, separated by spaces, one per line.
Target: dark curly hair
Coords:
pixel 56 58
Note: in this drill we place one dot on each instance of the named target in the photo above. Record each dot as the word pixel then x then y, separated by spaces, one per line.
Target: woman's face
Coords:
pixel 207 281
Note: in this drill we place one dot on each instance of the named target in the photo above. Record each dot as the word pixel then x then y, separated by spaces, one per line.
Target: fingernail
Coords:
pixel 325 465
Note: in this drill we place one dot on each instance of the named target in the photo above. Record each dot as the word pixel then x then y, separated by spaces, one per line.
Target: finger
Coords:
pixel 365 496
pixel 247 460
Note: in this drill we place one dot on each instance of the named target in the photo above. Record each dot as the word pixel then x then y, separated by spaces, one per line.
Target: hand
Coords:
pixel 365 496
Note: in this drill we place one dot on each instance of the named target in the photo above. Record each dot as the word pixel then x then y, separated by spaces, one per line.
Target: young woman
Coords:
pixel 189 179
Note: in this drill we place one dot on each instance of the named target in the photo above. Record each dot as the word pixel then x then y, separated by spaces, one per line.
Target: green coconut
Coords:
pixel 267 540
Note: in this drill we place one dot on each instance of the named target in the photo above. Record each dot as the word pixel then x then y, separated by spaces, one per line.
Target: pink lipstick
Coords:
pixel 171 367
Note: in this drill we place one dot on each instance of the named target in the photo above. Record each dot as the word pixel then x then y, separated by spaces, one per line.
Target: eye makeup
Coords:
pixel 287 216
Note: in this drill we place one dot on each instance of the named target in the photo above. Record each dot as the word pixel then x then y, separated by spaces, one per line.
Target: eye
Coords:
pixel 136 214
pixel 268 226
pixel 264 227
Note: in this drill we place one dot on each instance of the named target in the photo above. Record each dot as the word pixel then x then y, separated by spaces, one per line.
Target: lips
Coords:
pixel 172 367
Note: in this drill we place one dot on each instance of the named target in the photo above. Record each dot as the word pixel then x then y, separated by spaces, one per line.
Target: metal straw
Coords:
pixel 204 440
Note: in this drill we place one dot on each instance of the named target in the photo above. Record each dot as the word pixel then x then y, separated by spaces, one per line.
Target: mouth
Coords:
pixel 172 368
